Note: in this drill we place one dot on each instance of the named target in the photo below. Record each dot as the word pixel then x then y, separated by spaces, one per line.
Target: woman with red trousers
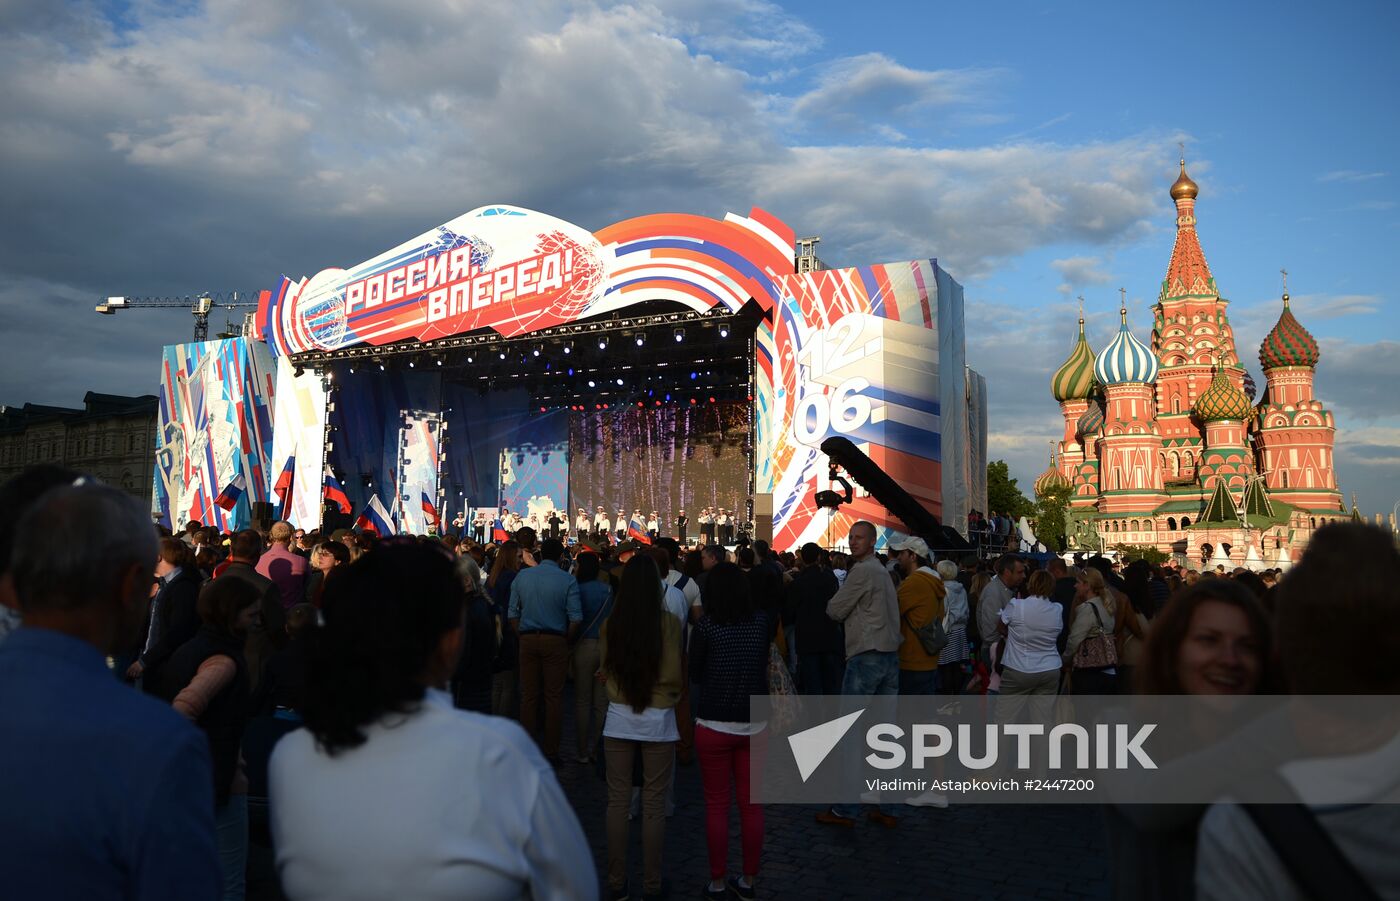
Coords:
pixel 729 661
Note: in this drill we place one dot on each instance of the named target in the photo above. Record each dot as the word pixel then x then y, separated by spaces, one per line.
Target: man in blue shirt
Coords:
pixel 546 612
pixel 107 792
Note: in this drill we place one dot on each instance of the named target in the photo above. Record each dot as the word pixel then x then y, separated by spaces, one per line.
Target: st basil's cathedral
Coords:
pixel 1165 445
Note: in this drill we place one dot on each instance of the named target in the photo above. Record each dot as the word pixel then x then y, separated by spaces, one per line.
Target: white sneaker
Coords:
pixel 928 799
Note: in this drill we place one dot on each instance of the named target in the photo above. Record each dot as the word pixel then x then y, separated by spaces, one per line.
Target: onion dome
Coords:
pixel 1091 421
pixel 1222 400
pixel 1250 389
pixel 1125 359
pixel 1184 186
pixel 1288 344
pixel 1075 379
pixel 1050 480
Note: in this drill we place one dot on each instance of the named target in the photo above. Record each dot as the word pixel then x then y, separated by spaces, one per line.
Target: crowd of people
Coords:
pixel 166 696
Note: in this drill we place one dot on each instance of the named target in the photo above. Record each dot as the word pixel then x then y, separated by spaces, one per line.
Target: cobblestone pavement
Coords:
pixel 962 852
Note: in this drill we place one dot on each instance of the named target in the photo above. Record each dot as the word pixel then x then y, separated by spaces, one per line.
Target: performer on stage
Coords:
pixel 707 527
pixel 459 524
pixel 581 523
pixel 601 525
pixel 479 525
pixel 681 522
pixel 653 527
pixel 556 520
pixel 726 527
pixel 620 525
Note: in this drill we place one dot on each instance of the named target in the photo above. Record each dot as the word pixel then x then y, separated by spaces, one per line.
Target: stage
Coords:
pixel 508 359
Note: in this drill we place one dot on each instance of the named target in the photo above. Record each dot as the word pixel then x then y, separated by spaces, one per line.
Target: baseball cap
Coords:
pixel 912 543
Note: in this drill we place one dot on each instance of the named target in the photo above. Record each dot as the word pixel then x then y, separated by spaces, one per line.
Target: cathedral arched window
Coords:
pixel 1176 403
pixel 1171 523
pixel 1285 478
pixel 1185 521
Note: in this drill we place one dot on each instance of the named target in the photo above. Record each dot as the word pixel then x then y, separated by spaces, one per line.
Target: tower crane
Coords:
pixel 200 306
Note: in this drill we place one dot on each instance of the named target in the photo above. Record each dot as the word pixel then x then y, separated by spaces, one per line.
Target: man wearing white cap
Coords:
pixel 921 595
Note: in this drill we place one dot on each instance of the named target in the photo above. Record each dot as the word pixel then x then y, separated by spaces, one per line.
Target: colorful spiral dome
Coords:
pixel 1250 389
pixel 1222 400
pixel 1075 379
pixel 1288 344
pixel 1091 421
pixel 1125 359
pixel 1050 480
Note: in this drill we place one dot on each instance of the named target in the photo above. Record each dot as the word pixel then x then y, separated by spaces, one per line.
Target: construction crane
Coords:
pixel 201 306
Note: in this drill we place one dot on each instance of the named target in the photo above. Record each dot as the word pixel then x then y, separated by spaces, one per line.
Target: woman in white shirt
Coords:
pixel 640 647
pixel 1030 662
pixel 389 792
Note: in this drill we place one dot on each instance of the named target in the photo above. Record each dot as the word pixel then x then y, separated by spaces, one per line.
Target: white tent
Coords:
pixel 1284 561
pixel 1219 559
pixel 1252 560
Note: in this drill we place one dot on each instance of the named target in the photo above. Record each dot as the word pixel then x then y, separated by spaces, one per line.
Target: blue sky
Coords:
pixel 155 147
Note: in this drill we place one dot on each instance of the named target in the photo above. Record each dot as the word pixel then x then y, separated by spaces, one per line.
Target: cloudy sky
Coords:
pixel 160 146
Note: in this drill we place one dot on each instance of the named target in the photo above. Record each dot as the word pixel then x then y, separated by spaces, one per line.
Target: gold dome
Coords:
pixel 1184 186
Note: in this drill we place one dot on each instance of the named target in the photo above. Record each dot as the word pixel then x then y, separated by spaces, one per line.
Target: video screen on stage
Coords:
pixel 661 459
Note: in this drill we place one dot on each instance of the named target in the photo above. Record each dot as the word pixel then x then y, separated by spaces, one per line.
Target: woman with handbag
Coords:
pixel 640 647
pixel 729 660
pixel 1091 656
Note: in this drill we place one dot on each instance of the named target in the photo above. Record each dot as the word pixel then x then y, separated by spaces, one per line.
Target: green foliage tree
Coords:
pixel 1002 494
pixel 1050 510
pixel 1130 552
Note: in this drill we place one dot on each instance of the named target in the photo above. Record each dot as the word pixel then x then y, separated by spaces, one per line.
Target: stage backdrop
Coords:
pixel 873 352
pixel 660 459
pixel 215 423
pixel 299 422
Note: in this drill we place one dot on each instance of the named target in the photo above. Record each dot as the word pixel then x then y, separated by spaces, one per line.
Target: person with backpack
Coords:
pixel 921 595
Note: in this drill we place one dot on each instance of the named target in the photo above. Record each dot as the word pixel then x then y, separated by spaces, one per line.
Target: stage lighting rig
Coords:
pixel 679 335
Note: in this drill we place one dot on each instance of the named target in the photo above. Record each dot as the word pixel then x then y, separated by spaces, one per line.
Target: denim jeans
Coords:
pixel 231 835
pixel 871 673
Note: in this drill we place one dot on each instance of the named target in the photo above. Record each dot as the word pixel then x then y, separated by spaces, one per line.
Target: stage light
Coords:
pixel 591 384
pixel 381 365
pixel 503 355
pixel 603 343
pixel 712 400
pixel 298 371
pixel 352 370
pixel 619 382
pixel 568 347
pixel 542 410
pixel 692 401
pixel 536 351
pixel 571 370
pixel 679 335
pixel 469 359
pixel 658 403
pixel 724 331
pixel 694 376
pixel 641 403
pixel 641 339
pixel 668 397
pixel 412 364
pixel 439 361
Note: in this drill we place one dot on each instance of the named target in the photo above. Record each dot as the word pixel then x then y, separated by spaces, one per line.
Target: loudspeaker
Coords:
pixel 332 519
pixel 262 515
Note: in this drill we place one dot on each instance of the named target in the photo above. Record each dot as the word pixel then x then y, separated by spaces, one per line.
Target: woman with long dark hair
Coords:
pixel 505 672
pixel 207 681
pixel 389 791
pixel 729 661
pixel 641 666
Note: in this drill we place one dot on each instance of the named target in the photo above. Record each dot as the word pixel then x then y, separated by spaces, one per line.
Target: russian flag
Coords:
pixel 228 498
pixel 429 510
pixel 498 530
pixel 374 518
pixel 636 529
pixel 333 492
pixel 283 486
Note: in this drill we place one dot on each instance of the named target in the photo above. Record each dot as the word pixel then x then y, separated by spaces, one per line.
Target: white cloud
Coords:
pixel 1350 175
pixel 1079 271
pixel 854 92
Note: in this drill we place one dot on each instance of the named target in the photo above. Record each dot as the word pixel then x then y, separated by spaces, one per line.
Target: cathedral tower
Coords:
pixel 1130 472
pixel 1296 432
